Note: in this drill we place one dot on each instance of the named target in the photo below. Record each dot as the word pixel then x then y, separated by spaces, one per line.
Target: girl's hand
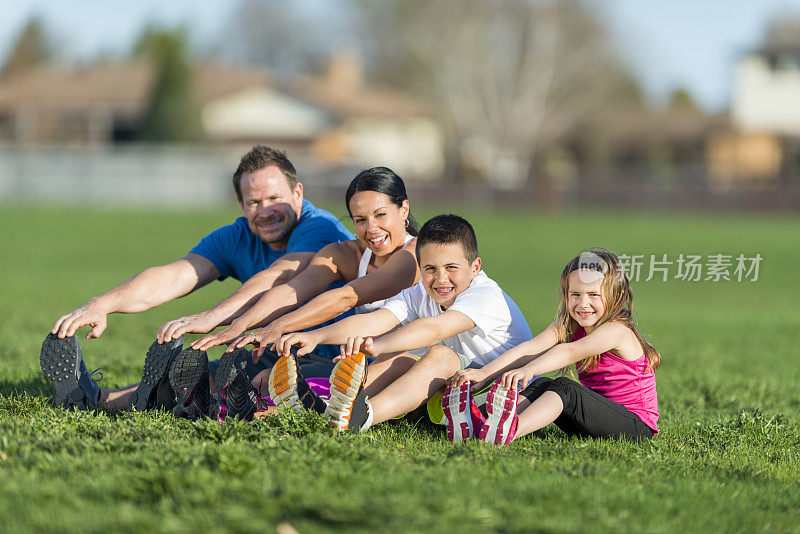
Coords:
pixel 511 379
pixel 305 340
pixel 357 344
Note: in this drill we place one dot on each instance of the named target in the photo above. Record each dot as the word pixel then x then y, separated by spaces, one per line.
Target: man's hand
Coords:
pixel 306 341
pixel 90 314
pixel 198 323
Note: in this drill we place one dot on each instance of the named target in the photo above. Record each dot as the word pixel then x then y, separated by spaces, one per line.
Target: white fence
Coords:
pixel 143 175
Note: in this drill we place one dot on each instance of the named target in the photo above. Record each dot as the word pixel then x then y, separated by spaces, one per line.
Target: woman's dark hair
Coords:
pixel 381 180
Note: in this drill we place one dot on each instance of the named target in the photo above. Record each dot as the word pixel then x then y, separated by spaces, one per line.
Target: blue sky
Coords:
pixel 691 43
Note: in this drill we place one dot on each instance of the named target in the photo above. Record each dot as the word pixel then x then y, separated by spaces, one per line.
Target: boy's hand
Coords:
pixel 307 342
pixel 511 379
pixel 467 375
pixel 354 345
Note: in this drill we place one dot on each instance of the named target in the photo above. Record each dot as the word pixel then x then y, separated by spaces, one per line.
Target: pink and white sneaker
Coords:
pixel 501 406
pixel 462 414
pixel 456 405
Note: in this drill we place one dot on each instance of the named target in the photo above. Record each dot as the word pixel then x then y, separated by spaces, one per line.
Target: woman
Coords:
pixel 370 269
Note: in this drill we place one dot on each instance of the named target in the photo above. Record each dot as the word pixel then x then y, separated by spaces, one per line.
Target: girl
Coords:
pixel 594 329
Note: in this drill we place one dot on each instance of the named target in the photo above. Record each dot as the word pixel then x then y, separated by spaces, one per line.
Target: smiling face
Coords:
pixel 379 223
pixel 584 297
pixel 446 272
pixel 270 205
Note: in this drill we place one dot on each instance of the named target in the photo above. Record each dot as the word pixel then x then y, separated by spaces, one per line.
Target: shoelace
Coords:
pixel 98 371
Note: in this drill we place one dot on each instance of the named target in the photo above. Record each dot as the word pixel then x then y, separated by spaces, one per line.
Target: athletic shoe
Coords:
pixel 347 407
pixel 188 377
pixel 288 387
pixel 154 391
pixel 62 364
pixel 237 396
pixel 457 406
pixel 501 405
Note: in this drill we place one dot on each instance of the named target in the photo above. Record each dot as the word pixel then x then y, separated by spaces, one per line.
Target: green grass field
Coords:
pixel 727 457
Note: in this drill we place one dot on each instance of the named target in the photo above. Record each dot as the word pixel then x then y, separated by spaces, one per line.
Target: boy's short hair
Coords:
pixel 446 229
pixel 260 157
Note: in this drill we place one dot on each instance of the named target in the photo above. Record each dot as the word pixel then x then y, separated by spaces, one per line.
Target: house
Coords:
pixel 336 119
pixel 764 144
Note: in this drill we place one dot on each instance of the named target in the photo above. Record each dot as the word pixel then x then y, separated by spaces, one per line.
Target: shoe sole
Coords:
pixel 283 383
pixel 185 376
pixel 58 361
pixel 501 407
pixel 235 386
pixel 156 365
pixel 347 378
pixel 456 407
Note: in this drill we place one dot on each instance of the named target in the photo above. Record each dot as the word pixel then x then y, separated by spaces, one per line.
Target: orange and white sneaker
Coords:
pixel 348 408
pixel 287 387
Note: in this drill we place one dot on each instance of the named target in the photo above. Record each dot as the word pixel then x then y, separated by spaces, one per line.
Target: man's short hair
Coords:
pixel 260 157
pixel 446 229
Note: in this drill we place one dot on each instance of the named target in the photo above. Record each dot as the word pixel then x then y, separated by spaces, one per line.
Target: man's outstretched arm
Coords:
pixel 280 272
pixel 150 288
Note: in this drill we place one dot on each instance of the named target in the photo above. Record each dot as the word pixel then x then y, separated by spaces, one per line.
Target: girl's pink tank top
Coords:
pixel 629 383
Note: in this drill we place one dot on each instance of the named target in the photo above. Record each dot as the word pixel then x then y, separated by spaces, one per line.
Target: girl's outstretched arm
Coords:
pixel 606 337
pixel 511 359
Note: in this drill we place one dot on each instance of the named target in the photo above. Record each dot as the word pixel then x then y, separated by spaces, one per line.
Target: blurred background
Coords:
pixel 544 103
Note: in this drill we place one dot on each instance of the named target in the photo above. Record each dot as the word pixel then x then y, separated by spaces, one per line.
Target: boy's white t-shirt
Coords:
pixel 499 323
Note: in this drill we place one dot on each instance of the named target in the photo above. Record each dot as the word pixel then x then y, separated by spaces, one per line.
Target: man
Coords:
pixel 275 239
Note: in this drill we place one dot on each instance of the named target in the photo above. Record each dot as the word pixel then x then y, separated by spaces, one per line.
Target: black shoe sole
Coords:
pixel 188 376
pixel 156 365
pixel 58 361
pixel 232 381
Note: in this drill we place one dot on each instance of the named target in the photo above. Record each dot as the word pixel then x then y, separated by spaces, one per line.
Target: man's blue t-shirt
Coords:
pixel 236 251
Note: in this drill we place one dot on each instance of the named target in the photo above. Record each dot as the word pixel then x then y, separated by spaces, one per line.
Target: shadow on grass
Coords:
pixel 36 387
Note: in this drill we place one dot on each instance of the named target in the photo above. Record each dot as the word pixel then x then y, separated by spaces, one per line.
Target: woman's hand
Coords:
pixel 198 323
pixel 219 338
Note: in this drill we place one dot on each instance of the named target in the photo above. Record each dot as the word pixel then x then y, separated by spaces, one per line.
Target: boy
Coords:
pixel 456 314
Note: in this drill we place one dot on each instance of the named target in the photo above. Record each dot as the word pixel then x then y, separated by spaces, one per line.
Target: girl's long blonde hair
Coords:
pixel 617 297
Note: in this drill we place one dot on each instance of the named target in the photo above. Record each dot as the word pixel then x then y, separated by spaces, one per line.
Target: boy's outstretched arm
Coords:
pixel 512 359
pixel 422 333
pixel 604 338
pixel 366 324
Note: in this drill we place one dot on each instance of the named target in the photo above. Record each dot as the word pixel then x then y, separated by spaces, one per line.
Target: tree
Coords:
pixel 680 99
pixel 512 76
pixel 31 48
pixel 288 37
pixel 173 113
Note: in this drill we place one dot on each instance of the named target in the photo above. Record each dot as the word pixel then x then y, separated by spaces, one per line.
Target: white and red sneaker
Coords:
pixel 501 406
pixel 461 413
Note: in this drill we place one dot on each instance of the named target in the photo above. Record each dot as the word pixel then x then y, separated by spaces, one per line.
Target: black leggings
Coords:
pixel 587 413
